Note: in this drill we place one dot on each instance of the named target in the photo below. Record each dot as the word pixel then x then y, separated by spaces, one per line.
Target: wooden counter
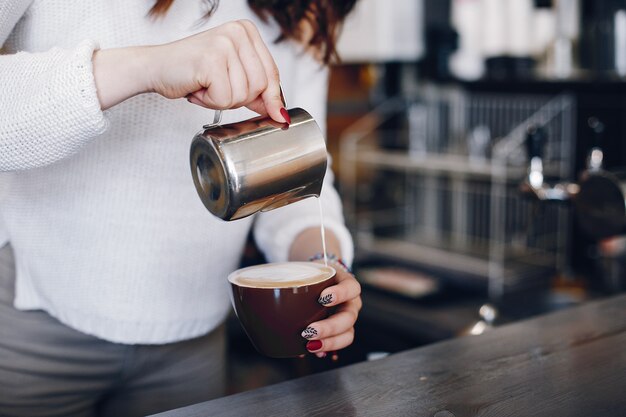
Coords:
pixel 570 363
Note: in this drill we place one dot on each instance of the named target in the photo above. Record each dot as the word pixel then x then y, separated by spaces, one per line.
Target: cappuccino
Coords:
pixel 275 302
pixel 281 275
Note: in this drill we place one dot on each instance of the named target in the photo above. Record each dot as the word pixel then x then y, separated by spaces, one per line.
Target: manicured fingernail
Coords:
pixel 309 333
pixel 326 299
pixel 285 114
pixel 313 345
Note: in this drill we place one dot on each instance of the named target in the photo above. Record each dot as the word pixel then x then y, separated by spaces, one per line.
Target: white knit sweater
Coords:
pixel 109 234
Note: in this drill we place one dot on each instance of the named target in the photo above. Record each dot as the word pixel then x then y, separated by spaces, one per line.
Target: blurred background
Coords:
pixel 478 146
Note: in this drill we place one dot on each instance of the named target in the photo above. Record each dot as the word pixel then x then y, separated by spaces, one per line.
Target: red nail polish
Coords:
pixel 313 345
pixel 285 114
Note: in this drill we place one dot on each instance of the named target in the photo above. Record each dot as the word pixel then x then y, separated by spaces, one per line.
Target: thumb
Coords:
pixel 258 106
pixel 273 103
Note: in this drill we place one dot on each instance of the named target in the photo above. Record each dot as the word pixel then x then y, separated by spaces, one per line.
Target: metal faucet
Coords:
pixel 535 185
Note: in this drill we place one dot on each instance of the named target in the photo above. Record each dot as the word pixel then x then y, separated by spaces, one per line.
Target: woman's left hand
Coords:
pixel 337 331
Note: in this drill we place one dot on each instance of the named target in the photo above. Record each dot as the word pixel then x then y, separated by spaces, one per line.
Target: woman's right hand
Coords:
pixel 226 67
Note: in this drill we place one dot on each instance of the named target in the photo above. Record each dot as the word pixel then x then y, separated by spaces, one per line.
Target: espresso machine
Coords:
pixel 598 199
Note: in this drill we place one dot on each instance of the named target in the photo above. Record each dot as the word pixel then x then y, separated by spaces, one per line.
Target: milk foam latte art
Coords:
pixel 281 275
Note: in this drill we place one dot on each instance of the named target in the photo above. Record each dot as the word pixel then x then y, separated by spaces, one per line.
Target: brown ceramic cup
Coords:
pixel 276 302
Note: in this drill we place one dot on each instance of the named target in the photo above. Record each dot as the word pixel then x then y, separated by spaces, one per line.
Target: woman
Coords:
pixel 119 291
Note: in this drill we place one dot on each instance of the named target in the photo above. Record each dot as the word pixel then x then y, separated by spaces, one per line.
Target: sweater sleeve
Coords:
pixel 275 230
pixel 48 103
pixel 11 12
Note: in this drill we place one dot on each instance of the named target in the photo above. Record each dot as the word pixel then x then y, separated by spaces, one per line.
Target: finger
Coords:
pixel 332 343
pixel 254 68
pixel 358 303
pixel 271 95
pixel 217 93
pixel 346 289
pixel 238 82
pixel 258 106
pixel 195 100
pixel 336 324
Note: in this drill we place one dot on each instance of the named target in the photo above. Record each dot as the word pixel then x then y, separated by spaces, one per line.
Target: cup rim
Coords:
pixel 333 273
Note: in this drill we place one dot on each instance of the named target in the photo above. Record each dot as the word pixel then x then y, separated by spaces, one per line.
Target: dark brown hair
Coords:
pixel 323 16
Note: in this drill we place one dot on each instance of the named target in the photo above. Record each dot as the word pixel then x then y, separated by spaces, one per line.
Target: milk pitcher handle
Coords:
pixel 217 116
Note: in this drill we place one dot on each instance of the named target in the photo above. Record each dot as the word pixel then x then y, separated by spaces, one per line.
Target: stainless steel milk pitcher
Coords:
pixel 258 164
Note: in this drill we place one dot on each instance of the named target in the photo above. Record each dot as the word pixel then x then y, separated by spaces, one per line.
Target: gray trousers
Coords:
pixel 49 369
